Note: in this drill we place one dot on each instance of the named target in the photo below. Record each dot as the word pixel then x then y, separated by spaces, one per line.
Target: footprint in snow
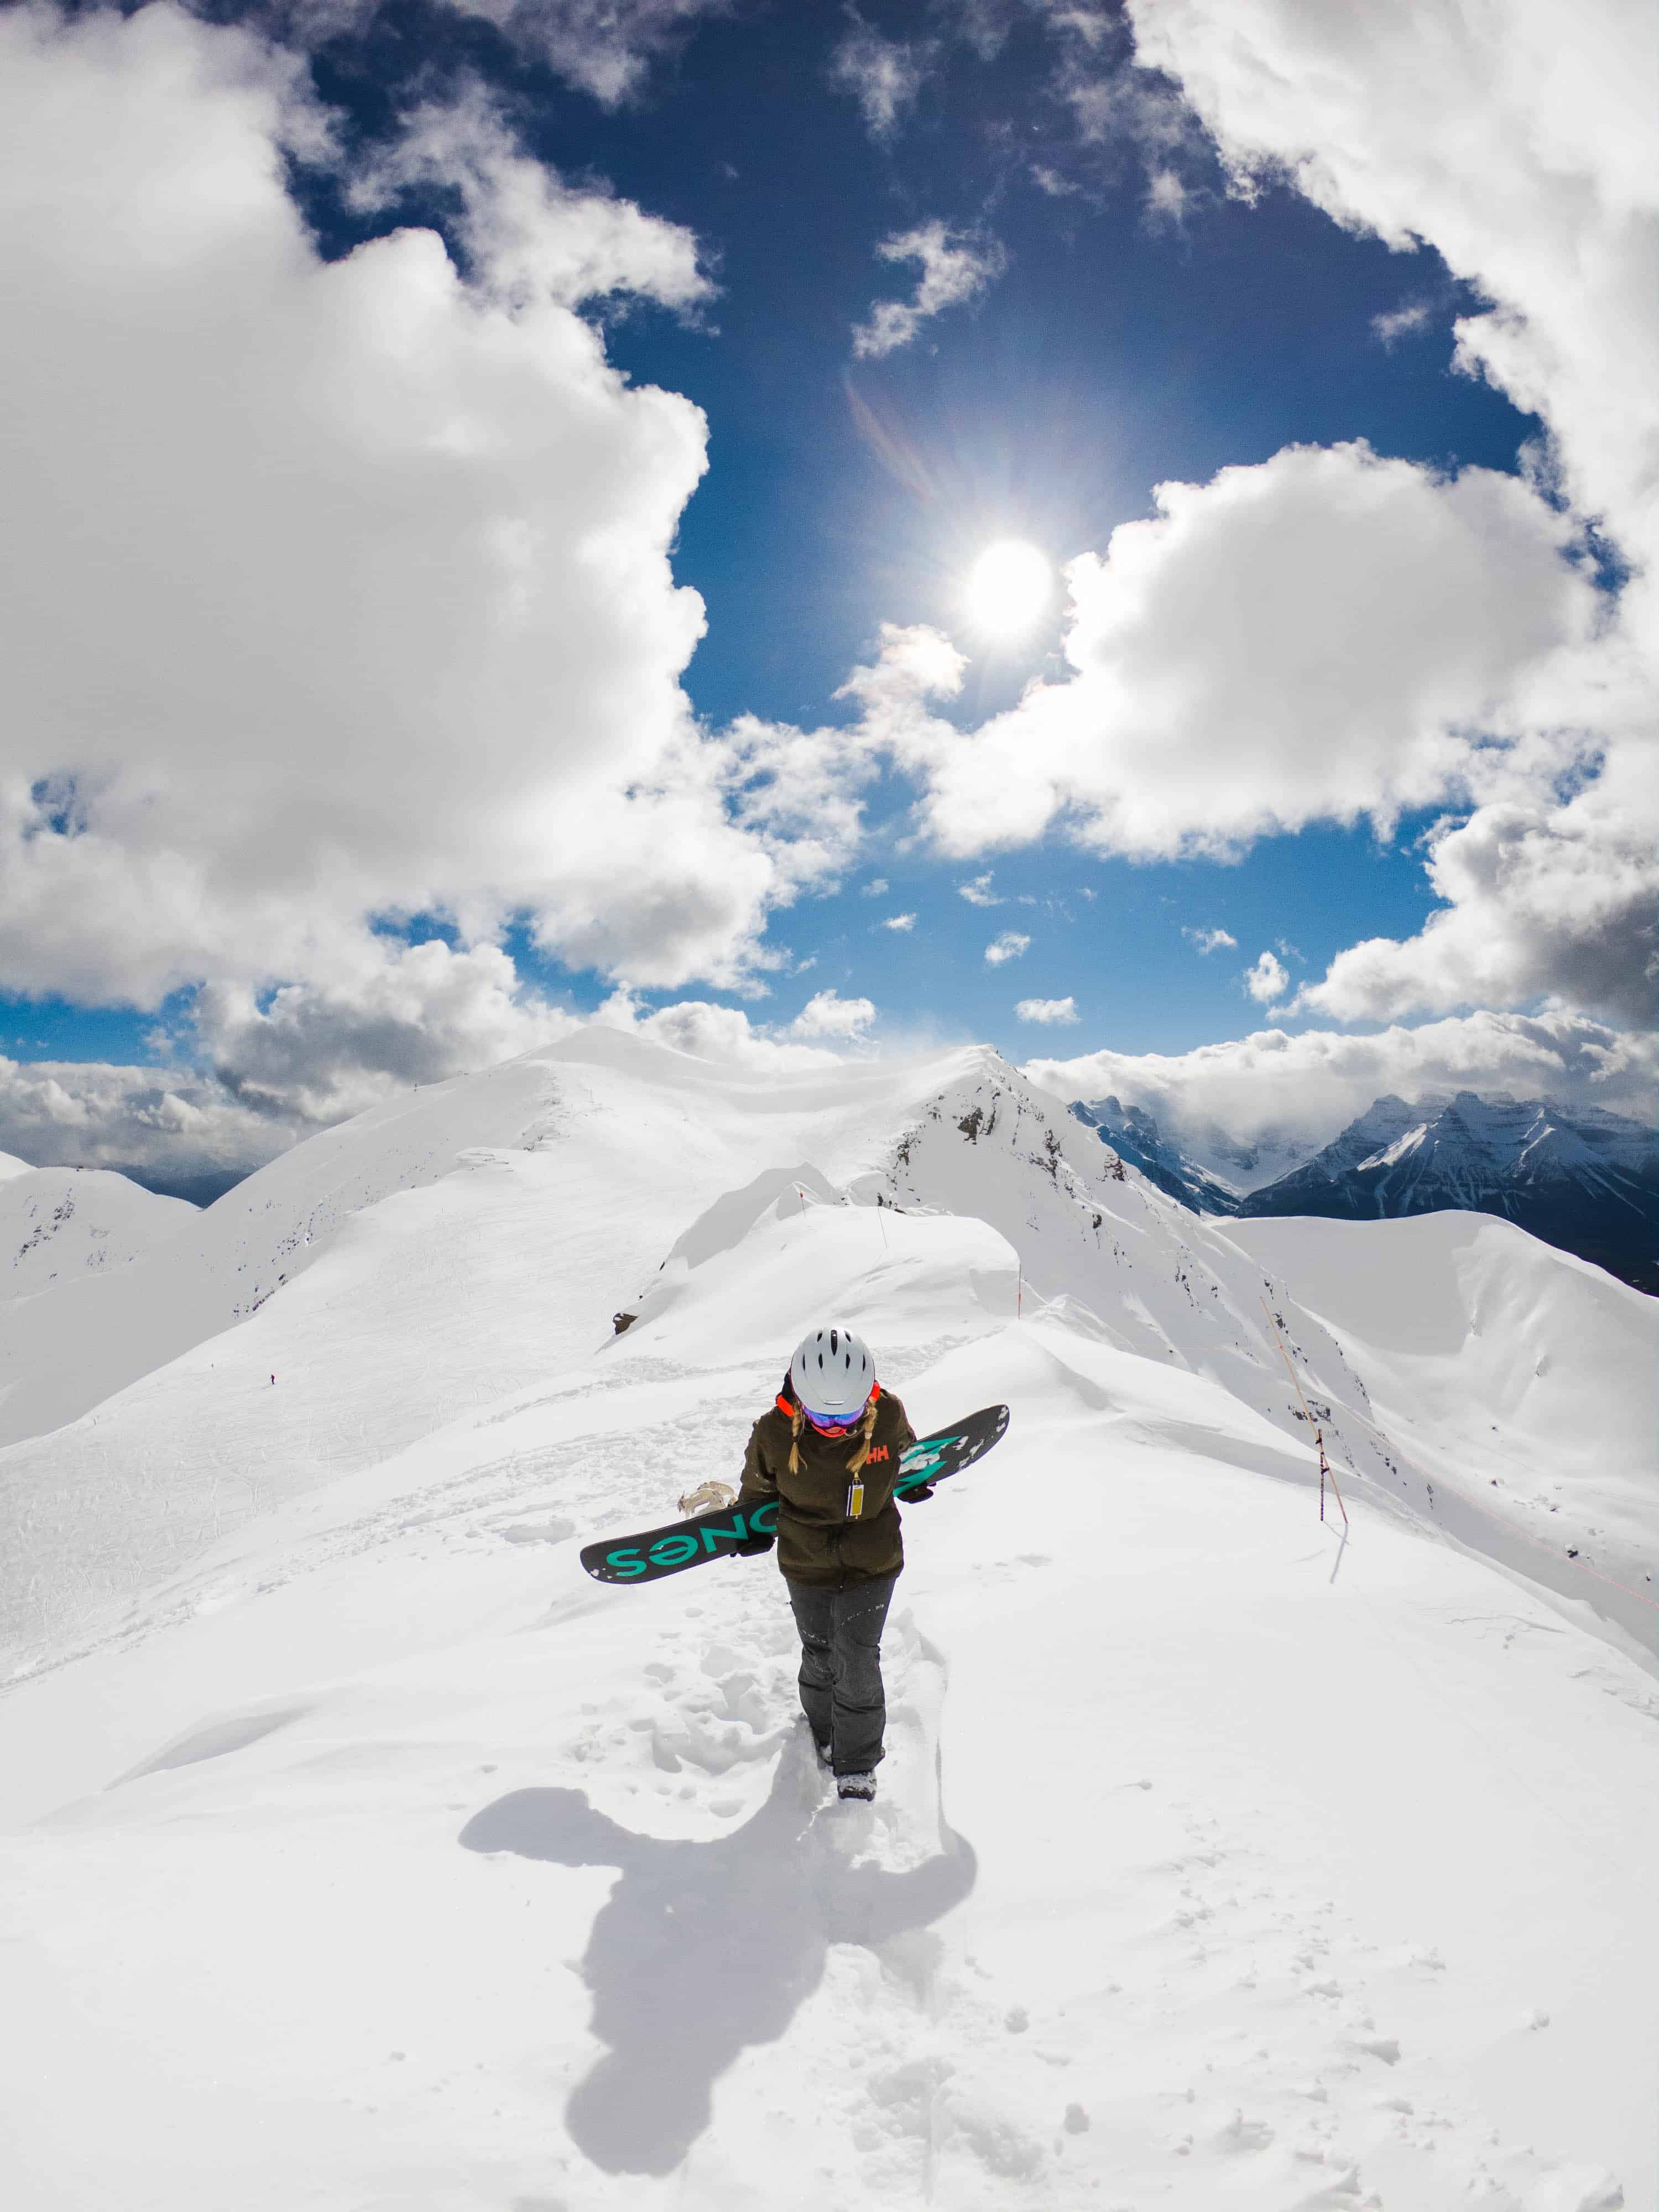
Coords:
pixel 706 1948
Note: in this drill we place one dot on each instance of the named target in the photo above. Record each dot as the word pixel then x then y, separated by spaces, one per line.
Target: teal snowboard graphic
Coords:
pixel 724 1531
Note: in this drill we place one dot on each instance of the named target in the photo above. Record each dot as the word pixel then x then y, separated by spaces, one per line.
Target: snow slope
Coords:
pixel 682 1133
pixel 58 1224
pixel 1470 1334
pixel 99 1336
pixel 366 1854
pixel 476 1265
pixel 480 1235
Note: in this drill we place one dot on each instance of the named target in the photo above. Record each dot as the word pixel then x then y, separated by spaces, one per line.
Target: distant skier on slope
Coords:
pixel 828 1452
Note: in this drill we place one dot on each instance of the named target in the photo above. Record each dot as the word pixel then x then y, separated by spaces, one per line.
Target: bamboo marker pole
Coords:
pixel 1325 1467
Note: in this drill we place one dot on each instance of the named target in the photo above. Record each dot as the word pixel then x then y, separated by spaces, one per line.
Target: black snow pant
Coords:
pixel 841 1691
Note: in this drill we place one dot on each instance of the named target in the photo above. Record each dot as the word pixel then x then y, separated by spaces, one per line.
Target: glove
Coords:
pixel 918 1496
pixel 753 1544
pixel 709 1496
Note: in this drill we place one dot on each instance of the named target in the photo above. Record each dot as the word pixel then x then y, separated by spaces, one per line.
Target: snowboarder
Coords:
pixel 828 1452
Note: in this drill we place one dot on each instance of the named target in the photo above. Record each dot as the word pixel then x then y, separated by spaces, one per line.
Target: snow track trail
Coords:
pixel 369 1857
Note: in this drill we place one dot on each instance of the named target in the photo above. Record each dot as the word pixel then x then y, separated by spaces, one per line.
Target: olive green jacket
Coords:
pixel 816 1543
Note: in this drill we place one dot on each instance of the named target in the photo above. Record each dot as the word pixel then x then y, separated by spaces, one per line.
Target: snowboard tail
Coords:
pixel 724 1532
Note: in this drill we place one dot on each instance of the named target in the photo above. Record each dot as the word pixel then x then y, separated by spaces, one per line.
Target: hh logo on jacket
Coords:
pixel 878 1451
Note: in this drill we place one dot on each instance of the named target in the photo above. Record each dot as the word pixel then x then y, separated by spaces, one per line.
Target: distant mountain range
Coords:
pixel 1134 1136
pixel 1584 1179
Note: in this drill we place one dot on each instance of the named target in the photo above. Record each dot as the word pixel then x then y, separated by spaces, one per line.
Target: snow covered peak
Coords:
pixel 1486 1142
pixel 1134 1136
pixel 1586 1180
pixel 58 1225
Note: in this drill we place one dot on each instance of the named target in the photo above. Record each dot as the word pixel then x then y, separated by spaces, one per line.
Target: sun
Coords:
pixel 1009 589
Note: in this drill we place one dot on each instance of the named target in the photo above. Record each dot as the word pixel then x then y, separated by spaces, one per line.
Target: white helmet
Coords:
pixel 833 1373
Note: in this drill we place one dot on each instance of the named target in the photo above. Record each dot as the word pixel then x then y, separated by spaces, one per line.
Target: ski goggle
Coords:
pixel 834 1425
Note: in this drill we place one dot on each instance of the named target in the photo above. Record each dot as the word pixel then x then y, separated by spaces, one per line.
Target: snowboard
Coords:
pixel 723 1531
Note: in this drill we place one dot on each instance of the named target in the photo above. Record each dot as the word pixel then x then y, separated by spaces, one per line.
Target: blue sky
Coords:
pixel 1117 351
pixel 1170 294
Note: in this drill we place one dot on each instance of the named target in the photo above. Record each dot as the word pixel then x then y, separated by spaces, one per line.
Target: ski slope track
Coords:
pixel 356 1850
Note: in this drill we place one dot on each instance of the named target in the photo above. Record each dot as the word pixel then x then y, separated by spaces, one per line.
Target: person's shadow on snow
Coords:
pixel 703 1949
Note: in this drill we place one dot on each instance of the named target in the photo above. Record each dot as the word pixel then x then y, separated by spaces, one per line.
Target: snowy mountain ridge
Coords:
pixel 1134 1136
pixel 1148 1908
pixel 1584 1180
pixel 502 1178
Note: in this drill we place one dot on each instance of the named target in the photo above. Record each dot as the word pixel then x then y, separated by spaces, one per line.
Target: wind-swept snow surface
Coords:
pixel 367 1855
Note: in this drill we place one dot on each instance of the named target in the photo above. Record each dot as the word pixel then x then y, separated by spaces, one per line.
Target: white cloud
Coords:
pixel 1525 159
pixel 1402 322
pixel 978 892
pixel 711 1032
pixel 1525 162
pixel 175 1126
pixel 985 24
pixel 402 1014
pixel 1266 981
pixel 1541 901
pixel 825 1014
pixel 605 48
pixel 883 75
pixel 1308 1087
pixel 1211 940
pixel 1052 1011
pixel 915 663
pixel 337 591
pixel 528 236
pixel 798 794
pixel 1008 946
pixel 875 888
pixel 902 921
pixel 1324 636
pixel 1118 110
pixel 955 267
pixel 1168 196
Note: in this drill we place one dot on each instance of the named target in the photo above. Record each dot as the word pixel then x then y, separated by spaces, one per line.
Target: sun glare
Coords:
pixel 1009 589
